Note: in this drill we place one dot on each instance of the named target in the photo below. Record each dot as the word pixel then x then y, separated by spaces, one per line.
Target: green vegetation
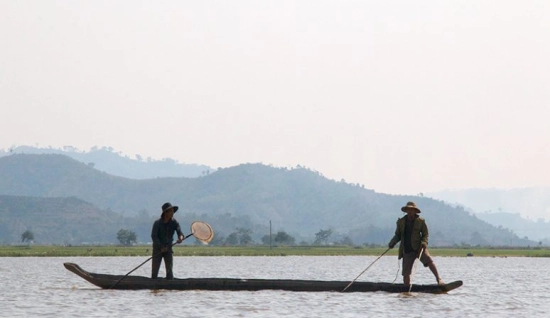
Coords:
pixel 27 236
pixel 126 237
pixel 54 251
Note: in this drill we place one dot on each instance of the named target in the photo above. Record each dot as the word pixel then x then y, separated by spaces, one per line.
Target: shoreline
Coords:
pixel 199 250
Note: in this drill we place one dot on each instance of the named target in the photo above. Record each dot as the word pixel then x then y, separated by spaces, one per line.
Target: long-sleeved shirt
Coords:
pixel 418 235
pixel 163 233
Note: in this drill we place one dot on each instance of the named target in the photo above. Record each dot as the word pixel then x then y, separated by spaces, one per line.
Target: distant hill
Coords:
pixel 299 201
pixel 56 220
pixel 107 160
pixel 535 230
pixel 525 211
pixel 532 203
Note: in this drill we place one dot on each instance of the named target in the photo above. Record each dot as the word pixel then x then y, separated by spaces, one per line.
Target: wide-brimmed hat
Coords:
pixel 169 205
pixel 410 206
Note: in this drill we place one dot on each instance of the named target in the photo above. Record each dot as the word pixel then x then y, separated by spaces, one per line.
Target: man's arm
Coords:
pixel 154 234
pixel 180 233
pixel 425 235
pixel 396 237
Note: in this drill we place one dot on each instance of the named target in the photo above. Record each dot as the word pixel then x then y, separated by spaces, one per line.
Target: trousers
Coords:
pixel 168 263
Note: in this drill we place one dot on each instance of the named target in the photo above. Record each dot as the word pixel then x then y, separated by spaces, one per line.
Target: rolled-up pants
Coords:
pixel 168 263
pixel 409 258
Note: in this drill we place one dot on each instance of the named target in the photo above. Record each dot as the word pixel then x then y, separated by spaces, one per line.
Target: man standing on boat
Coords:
pixel 412 231
pixel 163 235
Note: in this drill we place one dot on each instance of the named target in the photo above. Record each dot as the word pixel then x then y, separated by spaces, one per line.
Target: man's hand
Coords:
pixel 424 245
pixel 391 245
pixel 180 239
pixel 164 249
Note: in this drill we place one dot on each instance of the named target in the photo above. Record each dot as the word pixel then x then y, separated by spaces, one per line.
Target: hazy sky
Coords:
pixel 401 96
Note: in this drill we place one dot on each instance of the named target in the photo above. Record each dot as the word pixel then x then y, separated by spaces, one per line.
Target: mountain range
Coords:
pixel 526 211
pixel 531 203
pixel 299 201
pixel 107 160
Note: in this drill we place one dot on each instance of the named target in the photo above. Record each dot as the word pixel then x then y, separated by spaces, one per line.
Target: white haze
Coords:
pixel 405 97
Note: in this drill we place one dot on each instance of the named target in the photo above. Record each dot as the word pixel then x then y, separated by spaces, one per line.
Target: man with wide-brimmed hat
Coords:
pixel 412 231
pixel 163 236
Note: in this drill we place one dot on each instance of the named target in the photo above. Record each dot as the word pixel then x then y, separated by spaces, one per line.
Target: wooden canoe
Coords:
pixel 234 284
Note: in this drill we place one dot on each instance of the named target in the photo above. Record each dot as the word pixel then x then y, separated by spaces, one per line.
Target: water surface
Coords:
pixel 493 287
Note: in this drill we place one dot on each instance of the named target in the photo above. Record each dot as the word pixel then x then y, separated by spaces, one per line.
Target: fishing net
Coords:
pixel 202 231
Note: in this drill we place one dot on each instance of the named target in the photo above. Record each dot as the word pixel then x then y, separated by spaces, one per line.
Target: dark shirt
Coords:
pixel 408 234
pixel 163 233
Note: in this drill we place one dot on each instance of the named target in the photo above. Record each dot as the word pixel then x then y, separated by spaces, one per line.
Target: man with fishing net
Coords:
pixel 163 236
pixel 412 231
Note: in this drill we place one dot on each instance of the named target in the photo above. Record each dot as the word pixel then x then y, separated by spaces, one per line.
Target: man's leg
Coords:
pixel 168 263
pixel 408 261
pixel 157 259
pixel 436 274
pixel 427 260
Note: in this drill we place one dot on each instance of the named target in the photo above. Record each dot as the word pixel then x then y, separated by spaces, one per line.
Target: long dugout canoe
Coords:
pixel 106 281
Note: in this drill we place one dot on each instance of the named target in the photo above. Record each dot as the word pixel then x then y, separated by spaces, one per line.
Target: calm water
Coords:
pixel 493 287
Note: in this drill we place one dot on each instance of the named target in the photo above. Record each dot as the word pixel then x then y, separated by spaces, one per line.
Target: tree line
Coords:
pixel 243 237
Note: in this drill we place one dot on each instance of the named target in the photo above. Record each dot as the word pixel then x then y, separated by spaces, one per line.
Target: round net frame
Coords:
pixel 202 231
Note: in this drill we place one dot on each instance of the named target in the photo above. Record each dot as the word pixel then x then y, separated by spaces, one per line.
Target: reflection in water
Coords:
pixel 493 287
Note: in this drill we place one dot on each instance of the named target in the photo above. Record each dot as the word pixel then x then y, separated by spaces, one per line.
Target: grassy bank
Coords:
pixel 35 250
